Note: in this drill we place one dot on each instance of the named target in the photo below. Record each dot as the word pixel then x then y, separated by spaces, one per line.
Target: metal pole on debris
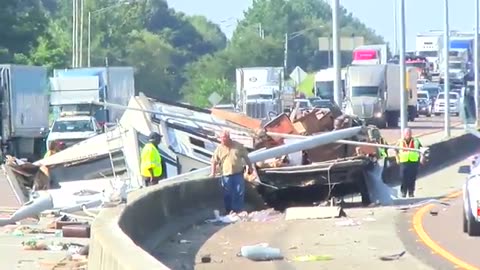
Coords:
pixel 301 137
pixel 174 116
pixel 308 143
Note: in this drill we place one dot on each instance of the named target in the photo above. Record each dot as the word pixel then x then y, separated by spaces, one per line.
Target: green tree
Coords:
pixel 152 57
pixel 21 23
pixel 204 87
pixel 53 49
pixel 304 21
pixel 210 32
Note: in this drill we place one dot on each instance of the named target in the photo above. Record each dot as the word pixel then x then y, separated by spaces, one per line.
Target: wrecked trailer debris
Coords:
pixel 319 150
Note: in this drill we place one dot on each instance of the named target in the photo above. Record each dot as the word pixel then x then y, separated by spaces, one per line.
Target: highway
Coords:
pixel 448 244
pixel 421 126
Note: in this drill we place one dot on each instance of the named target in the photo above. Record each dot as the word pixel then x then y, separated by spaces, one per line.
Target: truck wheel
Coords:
pixel 457 114
pixel 437 114
pixel 429 115
pixel 382 123
pixel 473 227
pixel 392 121
pixel 465 221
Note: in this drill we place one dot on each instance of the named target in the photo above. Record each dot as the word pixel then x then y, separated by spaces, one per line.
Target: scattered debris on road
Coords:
pixel 313 212
pixel 422 203
pixel 256 216
pixel 312 258
pixel 261 252
pixel 393 257
pixel 348 223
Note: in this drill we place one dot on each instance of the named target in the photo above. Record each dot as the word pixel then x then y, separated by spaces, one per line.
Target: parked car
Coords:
pixel 471 200
pixel 73 127
pixel 424 104
pixel 439 107
pixel 433 89
pixel 421 82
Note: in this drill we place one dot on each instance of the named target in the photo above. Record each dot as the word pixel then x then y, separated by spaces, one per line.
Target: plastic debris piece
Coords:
pixel 261 252
pixel 17 233
pixel 183 241
pixel 347 223
pixel 393 257
pixel 206 259
pixel 312 258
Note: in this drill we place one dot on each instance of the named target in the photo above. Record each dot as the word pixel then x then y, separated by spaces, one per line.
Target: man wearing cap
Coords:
pixel 231 158
pixel 150 161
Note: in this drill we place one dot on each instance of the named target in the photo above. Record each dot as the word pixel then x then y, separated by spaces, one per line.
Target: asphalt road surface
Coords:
pixel 445 229
pixel 421 126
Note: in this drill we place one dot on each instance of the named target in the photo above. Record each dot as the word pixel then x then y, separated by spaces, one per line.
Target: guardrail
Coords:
pixel 124 237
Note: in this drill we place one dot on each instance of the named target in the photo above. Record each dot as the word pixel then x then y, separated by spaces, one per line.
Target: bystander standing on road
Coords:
pixel 409 162
pixel 151 161
pixel 231 157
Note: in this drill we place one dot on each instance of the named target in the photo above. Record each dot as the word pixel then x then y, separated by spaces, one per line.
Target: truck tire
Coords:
pixel 473 227
pixel 381 123
pixel 465 221
pixel 392 120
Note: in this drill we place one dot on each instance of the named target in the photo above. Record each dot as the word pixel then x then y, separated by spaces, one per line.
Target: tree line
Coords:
pixel 176 56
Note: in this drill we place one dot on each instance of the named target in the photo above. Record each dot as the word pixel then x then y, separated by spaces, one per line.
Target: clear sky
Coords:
pixel 421 15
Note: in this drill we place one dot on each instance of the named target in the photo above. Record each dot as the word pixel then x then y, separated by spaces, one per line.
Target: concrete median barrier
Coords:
pixel 442 153
pixel 125 237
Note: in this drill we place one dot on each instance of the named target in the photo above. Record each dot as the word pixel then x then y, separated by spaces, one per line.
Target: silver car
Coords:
pixel 454 105
pixel 471 200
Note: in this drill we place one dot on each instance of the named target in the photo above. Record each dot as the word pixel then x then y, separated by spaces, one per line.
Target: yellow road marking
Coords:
pixel 436 248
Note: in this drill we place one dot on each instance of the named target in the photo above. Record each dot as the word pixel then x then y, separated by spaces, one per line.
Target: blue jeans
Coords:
pixel 233 192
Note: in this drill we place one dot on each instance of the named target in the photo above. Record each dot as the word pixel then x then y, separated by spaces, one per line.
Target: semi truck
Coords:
pixel 25 110
pixel 324 83
pixel 373 93
pixel 430 46
pixel 370 55
pixel 259 91
pixel 73 90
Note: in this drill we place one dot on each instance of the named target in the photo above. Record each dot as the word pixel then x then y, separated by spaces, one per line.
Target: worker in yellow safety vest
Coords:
pixel 151 166
pixel 52 149
pixel 409 162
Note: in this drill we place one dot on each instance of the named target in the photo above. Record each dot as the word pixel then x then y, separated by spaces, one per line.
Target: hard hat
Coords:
pixel 154 136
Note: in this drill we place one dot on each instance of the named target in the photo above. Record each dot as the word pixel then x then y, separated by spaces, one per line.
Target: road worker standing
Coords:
pixel 409 162
pixel 150 161
pixel 231 158
pixel 52 149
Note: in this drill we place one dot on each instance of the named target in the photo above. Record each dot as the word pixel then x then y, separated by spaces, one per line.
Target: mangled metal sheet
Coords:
pixel 11 193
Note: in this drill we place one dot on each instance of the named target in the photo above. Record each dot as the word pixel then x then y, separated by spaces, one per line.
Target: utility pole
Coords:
pixel 261 33
pixel 403 94
pixel 446 51
pixel 89 41
pixel 395 27
pixel 74 33
pixel 338 97
pixel 476 63
pixel 285 55
pixel 80 51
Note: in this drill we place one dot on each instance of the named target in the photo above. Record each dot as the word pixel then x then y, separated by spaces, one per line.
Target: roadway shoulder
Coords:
pixel 433 186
